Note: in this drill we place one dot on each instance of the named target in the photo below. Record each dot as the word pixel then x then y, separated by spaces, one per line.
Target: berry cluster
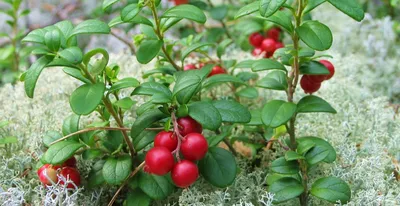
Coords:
pixel 215 70
pixel 48 174
pixel 312 83
pixel 267 45
pixel 186 139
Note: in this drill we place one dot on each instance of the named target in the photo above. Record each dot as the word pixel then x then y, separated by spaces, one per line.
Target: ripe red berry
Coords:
pixel 71 162
pixel 256 39
pixel 179 2
pixel 217 70
pixel 48 174
pixel 184 173
pixel 159 161
pixel 274 33
pixel 268 45
pixel 166 139
pixel 188 125
pixel 194 146
pixel 317 78
pixel 279 45
pixel 309 86
pixel 72 174
pixel 201 64
pixel 330 67
pixel 189 67
pixel 257 52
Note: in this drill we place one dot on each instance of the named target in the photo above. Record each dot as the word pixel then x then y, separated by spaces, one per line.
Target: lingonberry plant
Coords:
pixel 289 177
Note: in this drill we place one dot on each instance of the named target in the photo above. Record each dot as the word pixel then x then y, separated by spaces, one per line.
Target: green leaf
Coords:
pixel 267 64
pixel 156 187
pixel 322 151
pixel 86 98
pixel 129 12
pixel 76 73
pixel 156 90
pixel 246 64
pixel 116 170
pixel 313 103
pixel 61 151
pixel 206 114
pixel 232 111
pixel 71 125
pixel 50 137
pixel 35 36
pixel 33 73
pixel 137 20
pixel 305 146
pixel 96 174
pixel 282 19
pixel 108 3
pixel 137 198
pixel 292 155
pixel 255 118
pixel 194 47
pixel 92 154
pixel 282 166
pixel 273 177
pixel 125 103
pixel 218 167
pixel 124 83
pixel 66 28
pixel 248 9
pixel 213 141
pixel 91 26
pixel 52 39
pixel 286 189
pixel 275 80
pixel 350 7
pixel 143 139
pixel 269 7
pixel 331 189
pixel 8 140
pixel 188 83
pixel 72 55
pixel 313 68
pixel 144 121
pixel 316 35
pixel 248 92
pixel 222 46
pixel 277 112
pixel 221 78
pixel 312 5
pixel 219 12
pixel 148 50
pixel 186 11
pixel 168 23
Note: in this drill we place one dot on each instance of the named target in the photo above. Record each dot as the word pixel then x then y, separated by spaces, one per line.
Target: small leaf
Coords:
pixel 248 9
pixel 246 64
pixel 72 54
pixel 331 189
pixel 144 121
pixel 213 141
pixel 96 174
pixel 188 83
pixel 52 39
pixel 148 50
pixel 255 118
pixel 108 3
pixel 50 137
pixel 35 36
pixel 282 166
pixel 124 83
pixel 305 146
pixel 275 80
pixel 194 47
pixel 71 125
pixel 206 114
pixel 350 7
pixel 221 78
pixel 248 92
pixel 61 151
pixel 219 12
pixel 156 187
pixel 269 7
pixel 186 11
pixel 267 64
pixel 129 12
pixel 232 111
pixel 137 198
pixel 313 103
pixel 76 73
pixel 292 155
pixel 143 139
pixel 116 170
pixel 286 189
pixel 277 113
pixel 316 35
pixel 125 103
pixel 282 19
pixel 33 73
pixel 313 4
pixel 218 167
pixel 86 98
pixel 313 68
pixel 222 46
pixel 322 151
pixel 273 177
pixel 156 90
pixel 91 26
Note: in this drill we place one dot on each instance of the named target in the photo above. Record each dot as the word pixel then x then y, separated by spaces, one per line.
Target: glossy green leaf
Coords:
pixel 232 111
pixel 52 39
pixel 248 9
pixel 313 4
pixel 219 12
pixel 188 83
pixel 350 7
pixel 143 139
pixel 193 48
pixel 213 141
pixel 273 177
pixel 269 7
pixel 248 92
pixel 305 146
pixel 137 198
pixel 313 103
pixel 129 12
pixel 76 73
pixel 286 189
pixel 316 35
pixel 96 174
pixel 86 98
pixel 51 136
pixel 71 125
pixel 292 155
pixel 61 151
pixel 116 170
pixel 218 167
pixel 282 166
pixel 267 64
pixel 331 189
pixel 220 79
pixel 156 187
pixel 137 20
pixel 108 3
pixel 124 103
pixel 277 112
pixel 144 121
pixel 148 50
pixel 313 68
pixel 322 151
pixel 128 82
pixel 246 64
pixel 276 80
pixel 256 119
pixel 206 114
pixel 91 26
pixel 72 55
pixel 186 11
pixel 33 74
pixel 35 36
pixel 156 90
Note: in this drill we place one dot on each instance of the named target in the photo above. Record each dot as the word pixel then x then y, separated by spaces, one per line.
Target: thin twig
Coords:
pixel 123 40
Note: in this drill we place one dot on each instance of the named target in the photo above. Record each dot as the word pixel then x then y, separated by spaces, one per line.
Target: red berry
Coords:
pixel 330 67
pixel 217 70
pixel 274 33
pixel 194 146
pixel 184 173
pixel 201 64
pixel 317 78
pixel 189 67
pixel 159 160
pixel 179 2
pixel 188 125
pixel 257 52
pixel 279 45
pixel 72 174
pixel 166 139
pixel 256 39
pixel 268 45
pixel 309 86
pixel 48 174
pixel 71 162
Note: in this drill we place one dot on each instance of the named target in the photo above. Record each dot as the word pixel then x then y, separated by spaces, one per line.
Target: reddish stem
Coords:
pixel 178 135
